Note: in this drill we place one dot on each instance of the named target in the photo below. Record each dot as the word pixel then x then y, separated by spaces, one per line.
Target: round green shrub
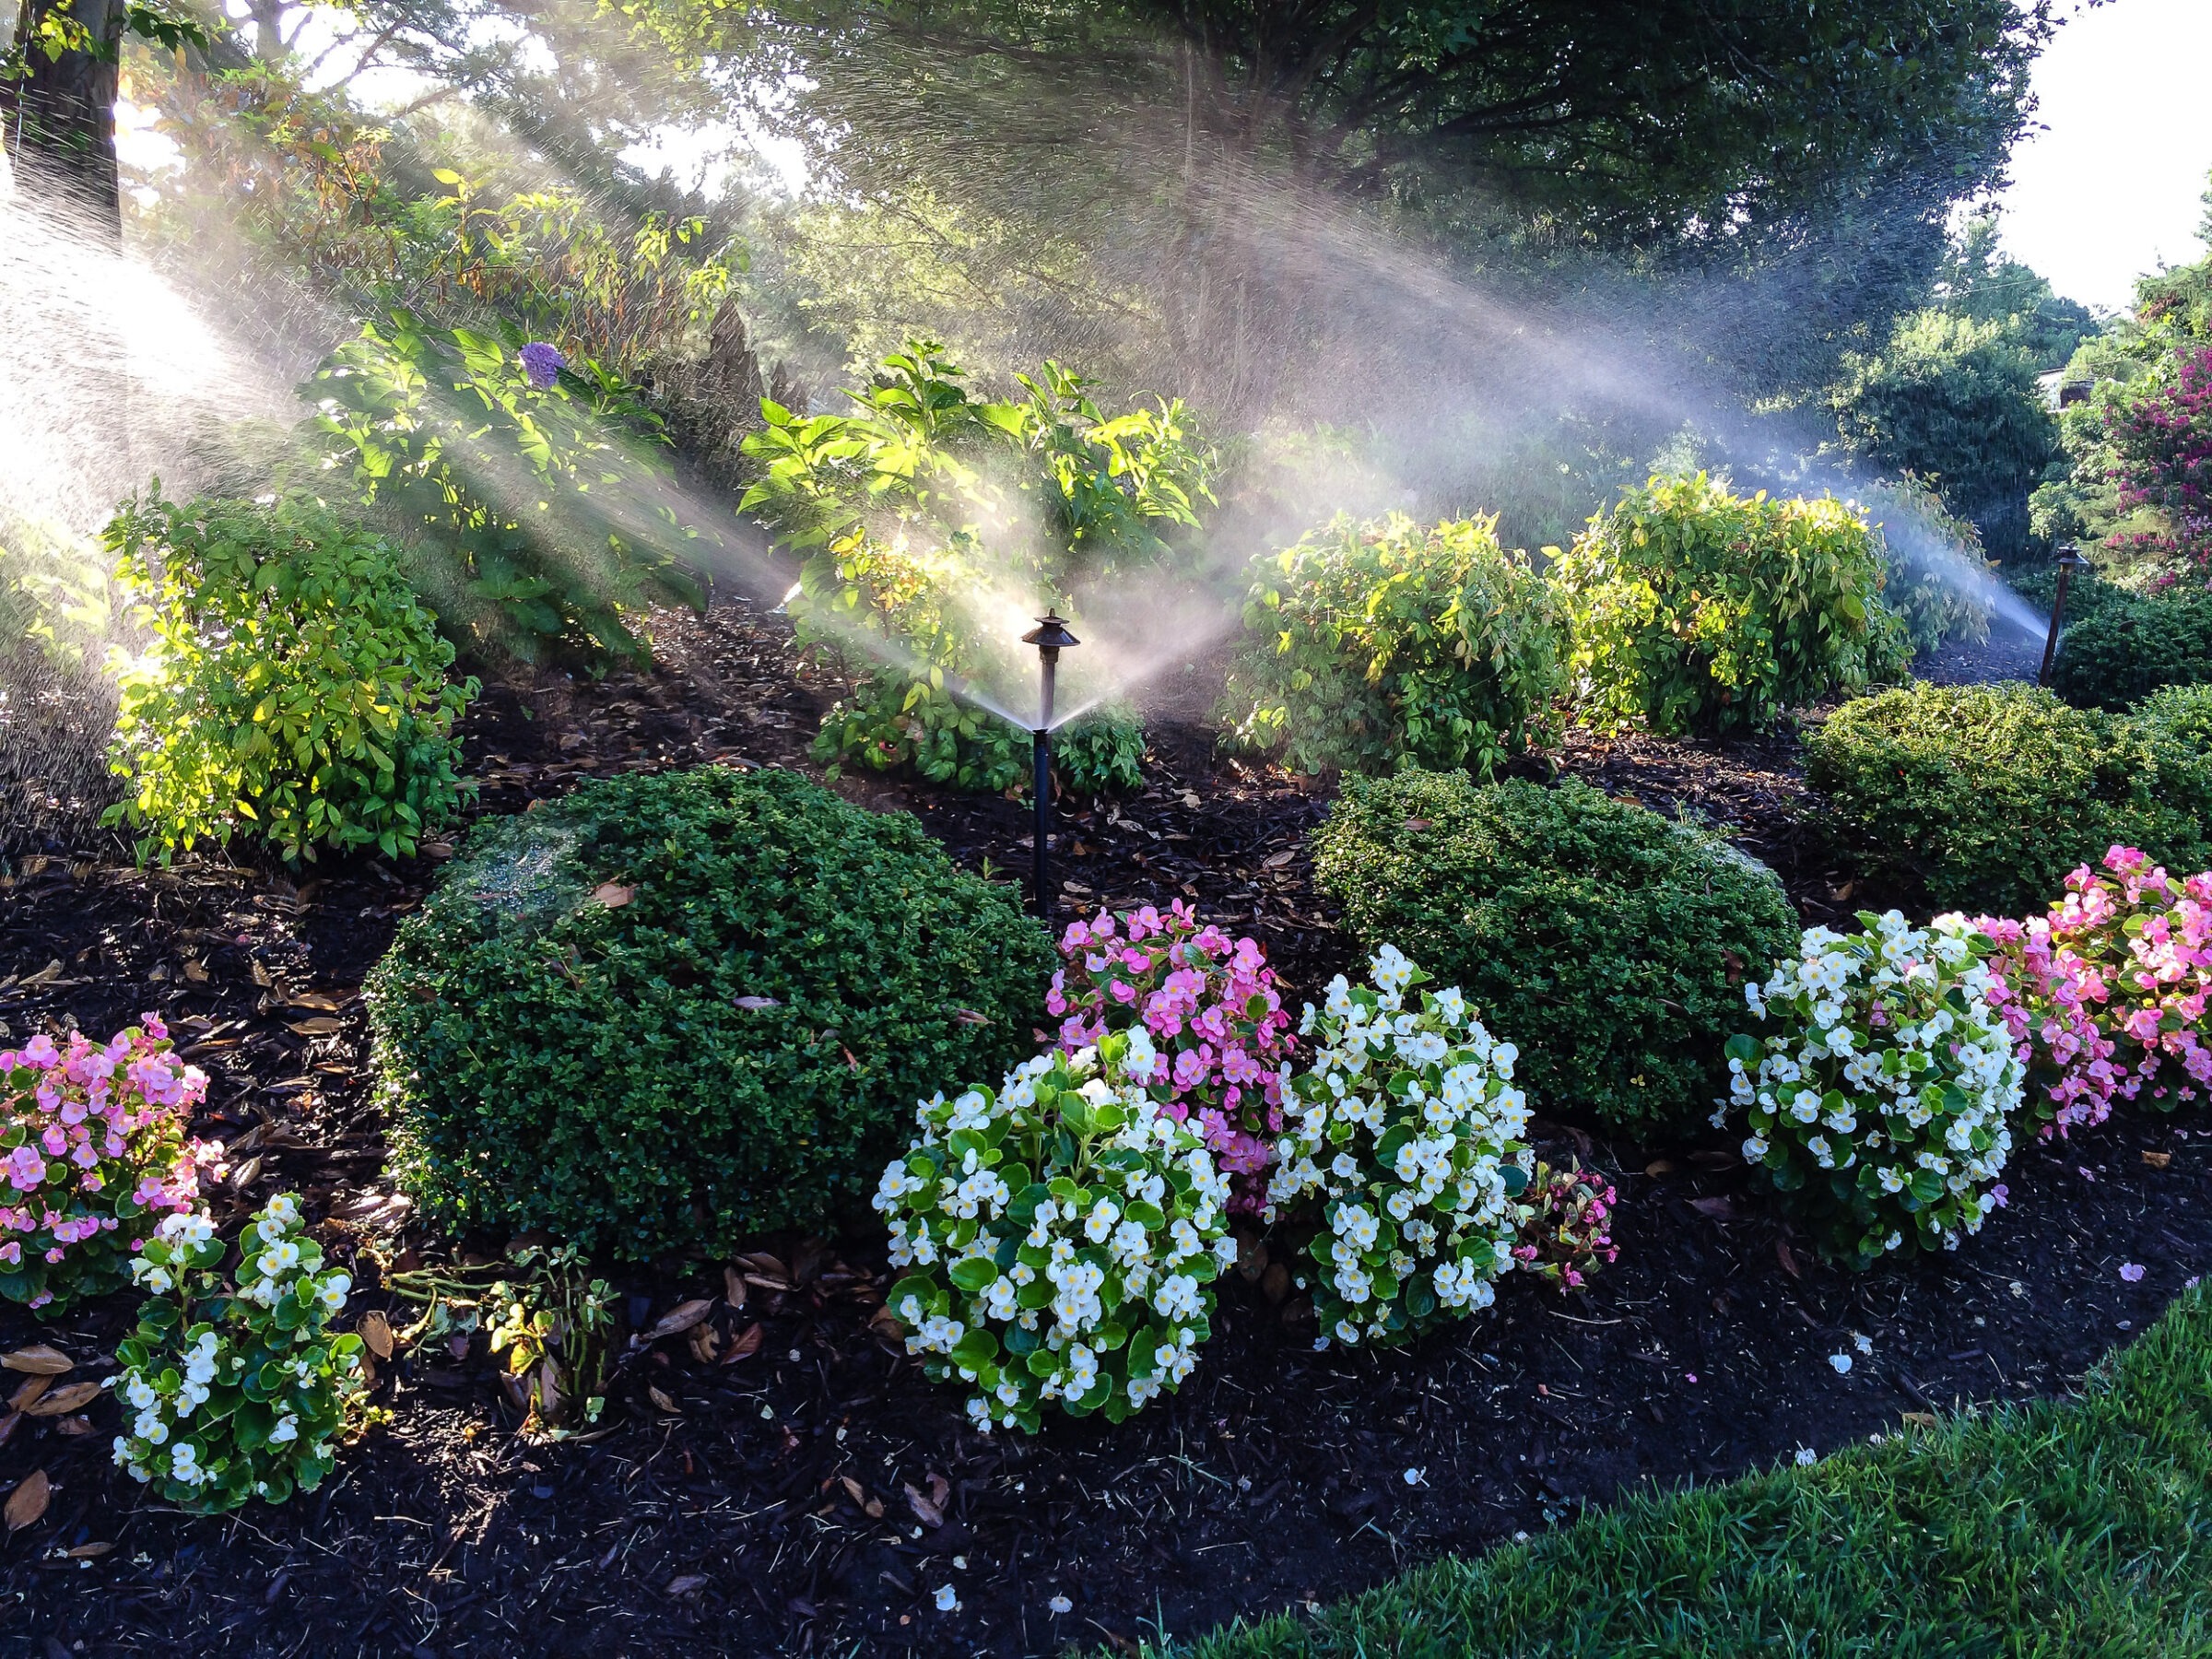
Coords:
pixel 1380 644
pixel 1696 610
pixel 1986 795
pixel 1612 943
pixel 2129 648
pixel 665 1012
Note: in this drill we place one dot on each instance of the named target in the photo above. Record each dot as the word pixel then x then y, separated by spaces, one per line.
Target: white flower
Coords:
pixel 949 1599
pixel 1807 1457
pixel 1841 1362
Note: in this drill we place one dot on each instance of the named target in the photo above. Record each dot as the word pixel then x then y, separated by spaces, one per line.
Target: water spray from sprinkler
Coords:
pixel 1050 637
pixel 2069 561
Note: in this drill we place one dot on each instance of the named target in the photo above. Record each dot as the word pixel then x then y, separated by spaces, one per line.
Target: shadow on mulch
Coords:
pixel 815 1494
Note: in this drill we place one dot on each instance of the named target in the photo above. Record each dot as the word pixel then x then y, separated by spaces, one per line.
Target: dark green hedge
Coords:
pixel 736 1044
pixel 1607 942
pixel 1986 795
pixel 2129 648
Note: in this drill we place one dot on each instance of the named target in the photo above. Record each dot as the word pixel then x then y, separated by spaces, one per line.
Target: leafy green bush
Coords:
pixel 1697 609
pixel 665 1012
pixel 2128 650
pixel 1610 942
pixel 533 514
pixel 1376 645
pixel 1987 795
pixel 293 682
pixel 893 720
pixel 1925 548
pixel 914 517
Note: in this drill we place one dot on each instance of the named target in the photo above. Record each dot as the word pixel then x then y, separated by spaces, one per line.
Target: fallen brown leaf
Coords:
pixel 1275 861
pixel 2158 1160
pixel 871 1506
pixel 969 1017
pixel 762 1265
pixel 680 1318
pixel 1789 1261
pixel 663 1402
pixel 38 1358
pixel 747 1343
pixel 376 1331
pixel 1417 825
pixel 1721 1209
pixel 732 1287
pixel 246 1174
pixel 688 1583
pixel 753 1005
pixel 72 1426
pixel 90 1552
pixel 1661 1166
pixel 25 1397
pixel 926 1511
pixel 61 1400
pixel 705 1343
pixel 28 1502
pixel 612 894
pixel 323 1024
pixel 8 1425
pixel 1926 1419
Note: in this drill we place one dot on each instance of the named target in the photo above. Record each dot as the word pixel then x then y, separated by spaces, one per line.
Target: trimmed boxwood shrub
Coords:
pixel 1986 795
pixel 665 1012
pixel 1612 943
pixel 2128 650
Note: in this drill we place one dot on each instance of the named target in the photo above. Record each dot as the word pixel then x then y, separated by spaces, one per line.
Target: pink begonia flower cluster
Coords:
pixel 1215 1017
pixel 92 1155
pixel 2040 988
pixel 2146 943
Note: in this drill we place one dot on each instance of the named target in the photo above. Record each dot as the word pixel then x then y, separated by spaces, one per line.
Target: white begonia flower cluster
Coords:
pixel 1061 1238
pixel 1880 1108
pixel 1406 1126
pixel 236 1395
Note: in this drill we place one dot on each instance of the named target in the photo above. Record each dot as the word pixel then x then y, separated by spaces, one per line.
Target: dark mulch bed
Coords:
pixel 813 1495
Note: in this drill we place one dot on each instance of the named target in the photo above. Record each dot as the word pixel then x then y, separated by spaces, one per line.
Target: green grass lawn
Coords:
pixel 2080 1527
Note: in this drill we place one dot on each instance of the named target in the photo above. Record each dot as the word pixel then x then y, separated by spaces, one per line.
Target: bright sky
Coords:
pixel 2116 187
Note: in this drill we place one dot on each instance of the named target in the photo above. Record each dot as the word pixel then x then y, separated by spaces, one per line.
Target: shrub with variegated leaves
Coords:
pixel 1880 1095
pixel 1059 1237
pixel 1405 1133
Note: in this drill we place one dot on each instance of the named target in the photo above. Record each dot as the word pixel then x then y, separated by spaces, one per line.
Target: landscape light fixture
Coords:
pixel 1051 638
pixel 2069 561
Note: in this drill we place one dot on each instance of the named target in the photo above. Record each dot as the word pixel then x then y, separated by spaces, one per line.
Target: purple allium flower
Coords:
pixel 541 363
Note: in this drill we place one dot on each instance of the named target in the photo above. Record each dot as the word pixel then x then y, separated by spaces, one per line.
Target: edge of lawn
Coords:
pixel 2068 1526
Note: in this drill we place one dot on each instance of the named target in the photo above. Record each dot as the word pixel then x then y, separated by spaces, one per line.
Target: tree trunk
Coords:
pixel 61 116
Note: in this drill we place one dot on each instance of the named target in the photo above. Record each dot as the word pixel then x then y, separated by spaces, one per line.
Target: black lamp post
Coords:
pixel 1050 637
pixel 2069 561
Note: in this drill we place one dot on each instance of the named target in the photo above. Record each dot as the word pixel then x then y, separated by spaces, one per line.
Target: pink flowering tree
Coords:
pixel 2144 942
pixel 2162 445
pixel 1215 1017
pixel 2040 985
pixel 93 1153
